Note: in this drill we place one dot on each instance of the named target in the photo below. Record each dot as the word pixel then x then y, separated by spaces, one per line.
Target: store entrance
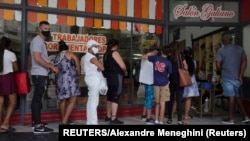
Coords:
pixel 205 41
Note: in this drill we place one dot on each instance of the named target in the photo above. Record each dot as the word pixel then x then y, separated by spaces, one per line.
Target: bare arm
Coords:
pixel 120 62
pixel 185 65
pixel 243 67
pixel 97 63
pixel 77 63
pixel 145 57
pixel 218 65
pixel 15 66
pixel 38 58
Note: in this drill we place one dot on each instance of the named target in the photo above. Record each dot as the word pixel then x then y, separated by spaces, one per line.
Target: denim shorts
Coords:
pixel 231 87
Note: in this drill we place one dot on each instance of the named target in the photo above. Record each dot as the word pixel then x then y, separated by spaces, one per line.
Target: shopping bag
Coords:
pixel 103 87
pixel 141 91
pixel 22 82
pixel 184 76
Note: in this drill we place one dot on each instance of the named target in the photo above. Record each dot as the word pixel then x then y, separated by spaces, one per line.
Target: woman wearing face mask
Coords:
pixel 93 77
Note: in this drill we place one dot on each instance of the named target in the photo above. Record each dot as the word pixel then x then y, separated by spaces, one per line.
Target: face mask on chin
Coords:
pixel 46 33
pixel 95 50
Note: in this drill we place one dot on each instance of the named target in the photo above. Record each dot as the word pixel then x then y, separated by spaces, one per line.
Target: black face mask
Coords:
pixel 46 33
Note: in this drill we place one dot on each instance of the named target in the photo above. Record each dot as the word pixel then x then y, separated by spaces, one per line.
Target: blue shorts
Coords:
pixel 231 87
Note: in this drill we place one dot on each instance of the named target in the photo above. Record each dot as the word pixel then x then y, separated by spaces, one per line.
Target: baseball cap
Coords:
pixel 90 43
pixel 226 36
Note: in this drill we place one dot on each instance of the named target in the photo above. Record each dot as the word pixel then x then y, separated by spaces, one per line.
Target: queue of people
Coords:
pixel 162 88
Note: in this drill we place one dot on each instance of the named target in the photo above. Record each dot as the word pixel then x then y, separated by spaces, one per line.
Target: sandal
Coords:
pixel 169 121
pixel 188 117
pixel 181 123
pixel 8 130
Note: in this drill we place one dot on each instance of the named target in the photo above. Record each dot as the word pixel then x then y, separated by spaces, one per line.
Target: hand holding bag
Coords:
pixel 22 82
pixel 184 77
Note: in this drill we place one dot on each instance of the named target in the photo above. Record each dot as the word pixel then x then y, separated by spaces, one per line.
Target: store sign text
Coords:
pixel 75 42
pixel 206 13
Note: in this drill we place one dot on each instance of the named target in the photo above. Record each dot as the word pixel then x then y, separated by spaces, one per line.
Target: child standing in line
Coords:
pixel 162 68
pixel 147 78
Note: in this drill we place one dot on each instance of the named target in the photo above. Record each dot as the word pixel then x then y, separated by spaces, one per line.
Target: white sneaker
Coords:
pixel 161 123
pixel 226 121
pixel 246 119
pixel 156 122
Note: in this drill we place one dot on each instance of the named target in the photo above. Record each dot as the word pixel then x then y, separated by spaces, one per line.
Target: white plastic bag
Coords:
pixel 141 91
pixel 103 86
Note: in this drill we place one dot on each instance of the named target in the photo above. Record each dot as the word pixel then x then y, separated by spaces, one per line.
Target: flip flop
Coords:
pixel 169 121
pixel 8 130
pixel 181 123
pixel 188 118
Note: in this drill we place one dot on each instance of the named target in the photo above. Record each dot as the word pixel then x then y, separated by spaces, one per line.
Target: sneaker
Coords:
pixel 160 123
pixel 107 119
pixel 227 121
pixel 157 122
pixel 245 120
pixel 42 130
pixel 143 117
pixel 42 123
pixel 150 121
pixel 115 122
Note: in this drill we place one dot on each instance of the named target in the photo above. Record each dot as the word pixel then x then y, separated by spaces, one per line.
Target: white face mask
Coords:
pixel 95 50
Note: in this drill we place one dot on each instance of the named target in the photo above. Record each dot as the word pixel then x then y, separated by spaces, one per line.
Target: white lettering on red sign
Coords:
pixel 207 12
pixel 76 42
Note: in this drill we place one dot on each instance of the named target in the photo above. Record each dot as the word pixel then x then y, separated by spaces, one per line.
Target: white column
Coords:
pixel 52 18
pixel 80 7
pixel 130 12
pixel 107 10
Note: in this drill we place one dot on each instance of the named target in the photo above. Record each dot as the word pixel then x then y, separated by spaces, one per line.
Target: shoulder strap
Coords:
pixel 180 63
pixel 61 55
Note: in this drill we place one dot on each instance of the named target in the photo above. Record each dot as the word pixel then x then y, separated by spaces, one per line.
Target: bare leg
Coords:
pixel 188 101
pixel 148 112
pixel 1 109
pixel 242 110
pixel 157 107
pixel 63 108
pixel 10 109
pixel 162 111
pixel 231 105
pixel 114 107
pixel 108 108
pixel 69 109
pixel 144 111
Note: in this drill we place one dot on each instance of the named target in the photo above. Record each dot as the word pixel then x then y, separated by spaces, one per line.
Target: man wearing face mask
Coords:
pixel 40 67
pixel 93 77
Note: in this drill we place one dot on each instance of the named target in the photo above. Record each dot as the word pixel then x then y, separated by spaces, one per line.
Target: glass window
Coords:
pixel 11 1
pixel 10 27
pixel 76 35
pixel 145 9
pixel 141 41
